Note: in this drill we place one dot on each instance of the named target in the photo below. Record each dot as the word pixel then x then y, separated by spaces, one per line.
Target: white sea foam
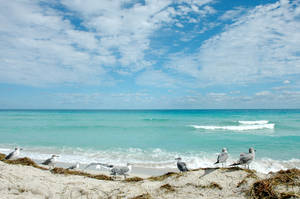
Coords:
pixel 236 128
pixel 254 122
pixel 155 158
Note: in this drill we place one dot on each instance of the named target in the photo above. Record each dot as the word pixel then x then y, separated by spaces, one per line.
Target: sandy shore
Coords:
pixel 19 181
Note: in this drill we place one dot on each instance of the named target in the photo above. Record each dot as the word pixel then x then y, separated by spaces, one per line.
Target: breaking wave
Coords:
pixel 254 122
pixel 154 158
pixel 236 128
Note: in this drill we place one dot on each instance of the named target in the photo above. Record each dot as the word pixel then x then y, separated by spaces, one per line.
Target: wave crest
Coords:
pixel 254 122
pixel 236 128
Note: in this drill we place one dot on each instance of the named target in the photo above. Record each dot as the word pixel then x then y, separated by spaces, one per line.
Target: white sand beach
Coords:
pixel 19 181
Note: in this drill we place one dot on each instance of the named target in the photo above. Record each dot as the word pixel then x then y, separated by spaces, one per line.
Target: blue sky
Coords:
pixel 156 54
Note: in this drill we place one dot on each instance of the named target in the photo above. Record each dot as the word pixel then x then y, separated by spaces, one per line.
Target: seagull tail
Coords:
pixel 217 162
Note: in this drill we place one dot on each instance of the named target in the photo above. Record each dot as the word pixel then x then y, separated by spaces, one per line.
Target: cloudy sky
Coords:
pixel 149 54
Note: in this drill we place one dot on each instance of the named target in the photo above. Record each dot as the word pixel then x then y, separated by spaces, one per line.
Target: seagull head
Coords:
pixel 251 150
pixel 179 158
pixel 224 150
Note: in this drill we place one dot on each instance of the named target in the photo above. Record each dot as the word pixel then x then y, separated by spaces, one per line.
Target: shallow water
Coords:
pixel 153 138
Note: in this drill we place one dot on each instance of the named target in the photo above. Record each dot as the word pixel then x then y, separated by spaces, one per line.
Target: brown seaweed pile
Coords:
pixel 267 188
pixel 24 161
pixel 63 171
pixel 164 176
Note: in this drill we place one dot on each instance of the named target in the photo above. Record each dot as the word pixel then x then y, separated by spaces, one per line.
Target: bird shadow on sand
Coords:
pixel 208 171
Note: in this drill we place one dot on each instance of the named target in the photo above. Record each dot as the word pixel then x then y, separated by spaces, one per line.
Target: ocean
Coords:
pixel 154 138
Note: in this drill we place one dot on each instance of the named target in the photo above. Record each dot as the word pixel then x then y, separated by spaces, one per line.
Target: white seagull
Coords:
pixel 181 165
pixel 14 154
pixel 222 157
pixel 246 158
pixel 51 161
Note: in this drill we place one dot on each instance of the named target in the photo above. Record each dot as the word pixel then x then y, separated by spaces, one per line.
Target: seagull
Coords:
pixel 51 161
pixel 222 157
pixel 246 158
pixel 121 170
pixel 181 165
pixel 76 166
pixel 14 154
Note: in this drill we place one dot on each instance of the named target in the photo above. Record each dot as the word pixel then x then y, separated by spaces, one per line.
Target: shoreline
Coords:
pixel 20 181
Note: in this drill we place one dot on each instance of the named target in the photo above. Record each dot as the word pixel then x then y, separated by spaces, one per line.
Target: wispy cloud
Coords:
pixel 84 43
pixel 264 43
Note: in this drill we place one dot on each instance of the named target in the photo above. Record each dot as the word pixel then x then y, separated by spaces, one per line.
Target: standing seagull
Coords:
pixel 51 161
pixel 76 166
pixel 119 170
pixel 13 154
pixel 246 158
pixel 222 157
pixel 181 165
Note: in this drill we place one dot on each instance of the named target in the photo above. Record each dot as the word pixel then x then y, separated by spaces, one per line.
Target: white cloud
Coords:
pixel 42 45
pixel 232 14
pixel 264 43
pixel 286 81
pixel 263 93
pixel 261 45
pixel 155 78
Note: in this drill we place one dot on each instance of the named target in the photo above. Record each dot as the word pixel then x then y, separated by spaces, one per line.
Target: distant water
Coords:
pixel 153 138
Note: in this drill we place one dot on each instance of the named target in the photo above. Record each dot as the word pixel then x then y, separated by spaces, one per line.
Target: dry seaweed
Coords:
pixel 57 170
pixel 143 196
pixel 133 179
pixel 212 185
pixel 24 161
pixel 164 176
pixel 263 189
pixel 266 188
pixel 249 175
pixel 289 195
pixel 287 177
pixel 2 156
pixel 167 187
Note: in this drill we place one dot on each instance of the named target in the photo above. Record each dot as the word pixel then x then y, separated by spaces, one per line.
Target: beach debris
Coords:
pixel 245 158
pixel 222 157
pixel 75 166
pixel 134 179
pixel 24 161
pixel 63 171
pixel 14 154
pixel 167 187
pixel 51 161
pixel 269 188
pixel 181 165
pixel 164 176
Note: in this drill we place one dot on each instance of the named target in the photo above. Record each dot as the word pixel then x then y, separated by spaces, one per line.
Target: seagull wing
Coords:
pixel 246 158
pixel 47 162
pixel 182 166
pixel 9 156
pixel 222 157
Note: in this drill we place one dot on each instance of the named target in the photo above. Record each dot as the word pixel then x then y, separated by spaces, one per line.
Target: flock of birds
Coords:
pixel 245 159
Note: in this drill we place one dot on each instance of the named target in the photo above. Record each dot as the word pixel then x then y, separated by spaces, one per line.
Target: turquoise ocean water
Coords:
pixel 153 138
